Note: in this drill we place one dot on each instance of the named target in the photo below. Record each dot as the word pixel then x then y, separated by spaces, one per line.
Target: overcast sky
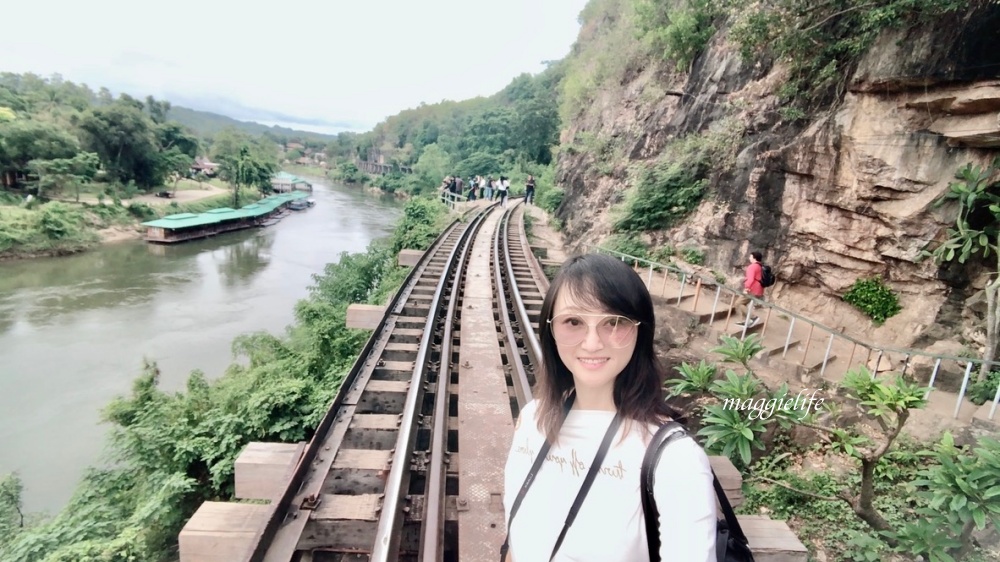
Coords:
pixel 322 65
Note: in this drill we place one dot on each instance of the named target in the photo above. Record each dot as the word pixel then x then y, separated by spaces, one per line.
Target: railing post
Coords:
pixel 729 314
pixel 746 321
pixel 906 363
pixel 649 278
pixel 878 363
pixel 996 398
pixel 809 339
pixel 851 360
pixel 788 338
pixel 680 294
pixel 697 295
pixel 715 304
pixel 961 393
pixel 767 318
pixel 826 357
pixel 930 385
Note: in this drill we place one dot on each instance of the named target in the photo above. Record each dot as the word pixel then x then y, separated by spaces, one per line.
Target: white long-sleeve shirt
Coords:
pixel 609 526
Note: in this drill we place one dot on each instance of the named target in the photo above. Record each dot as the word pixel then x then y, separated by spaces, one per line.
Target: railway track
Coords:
pixel 380 479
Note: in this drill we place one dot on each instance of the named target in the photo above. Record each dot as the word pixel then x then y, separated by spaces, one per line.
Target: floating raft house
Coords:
pixel 283 182
pixel 190 226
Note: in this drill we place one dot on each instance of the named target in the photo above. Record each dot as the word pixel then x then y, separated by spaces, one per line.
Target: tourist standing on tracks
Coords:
pixel 753 284
pixel 599 369
pixel 489 189
pixel 502 189
pixel 529 190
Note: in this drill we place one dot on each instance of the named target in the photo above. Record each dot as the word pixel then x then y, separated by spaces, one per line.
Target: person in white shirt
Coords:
pixel 597 355
pixel 502 188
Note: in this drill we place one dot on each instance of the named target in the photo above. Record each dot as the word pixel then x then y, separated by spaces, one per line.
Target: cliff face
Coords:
pixel 848 194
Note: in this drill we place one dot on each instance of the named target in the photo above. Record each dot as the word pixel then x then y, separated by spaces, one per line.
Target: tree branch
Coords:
pixel 901 418
pixel 840 13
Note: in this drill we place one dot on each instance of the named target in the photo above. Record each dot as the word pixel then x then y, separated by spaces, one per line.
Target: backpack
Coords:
pixel 766 276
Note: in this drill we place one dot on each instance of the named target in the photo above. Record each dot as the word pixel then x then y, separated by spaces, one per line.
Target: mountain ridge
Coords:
pixel 208 123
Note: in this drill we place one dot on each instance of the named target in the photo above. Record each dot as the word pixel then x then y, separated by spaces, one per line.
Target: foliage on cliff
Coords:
pixel 171 451
pixel 512 133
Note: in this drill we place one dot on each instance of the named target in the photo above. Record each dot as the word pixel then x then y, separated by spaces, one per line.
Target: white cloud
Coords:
pixel 327 60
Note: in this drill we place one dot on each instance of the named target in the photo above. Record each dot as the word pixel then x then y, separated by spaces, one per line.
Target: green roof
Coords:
pixel 262 207
pixel 290 178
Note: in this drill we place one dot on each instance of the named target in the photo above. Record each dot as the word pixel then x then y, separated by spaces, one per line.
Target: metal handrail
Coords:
pixel 909 354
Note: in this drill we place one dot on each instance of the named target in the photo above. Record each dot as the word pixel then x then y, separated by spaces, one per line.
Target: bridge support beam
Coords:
pixel 263 468
pixel 220 531
pixel 364 316
pixel 409 258
pixel 772 541
pixel 730 478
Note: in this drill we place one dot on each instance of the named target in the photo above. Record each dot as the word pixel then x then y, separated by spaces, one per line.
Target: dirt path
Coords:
pixel 182 196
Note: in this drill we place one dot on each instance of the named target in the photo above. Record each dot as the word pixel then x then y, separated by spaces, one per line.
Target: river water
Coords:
pixel 74 330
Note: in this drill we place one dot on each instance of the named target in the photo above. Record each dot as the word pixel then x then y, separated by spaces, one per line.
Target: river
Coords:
pixel 74 330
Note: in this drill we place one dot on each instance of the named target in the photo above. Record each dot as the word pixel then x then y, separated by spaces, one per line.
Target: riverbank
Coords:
pixel 175 435
pixel 66 227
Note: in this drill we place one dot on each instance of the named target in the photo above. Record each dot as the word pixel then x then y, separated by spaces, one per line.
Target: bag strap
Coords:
pixel 609 435
pixel 667 434
pixel 529 479
pixel 580 496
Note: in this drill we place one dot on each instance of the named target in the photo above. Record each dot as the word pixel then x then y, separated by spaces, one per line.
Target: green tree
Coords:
pixel 977 225
pixel 246 170
pixel 157 110
pixel 11 508
pixel 177 164
pixel 24 140
pixel 434 164
pixel 124 138
pixel 59 173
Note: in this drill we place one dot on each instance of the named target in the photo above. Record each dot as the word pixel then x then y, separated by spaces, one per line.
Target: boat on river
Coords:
pixel 190 226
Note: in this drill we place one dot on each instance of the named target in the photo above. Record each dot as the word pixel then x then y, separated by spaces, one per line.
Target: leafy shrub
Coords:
pixel 695 379
pixel 663 194
pixel 663 254
pixel 627 244
pixel 820 42
pixel 693 256
pixel 348 172
pixel 874 298
pixel 58 221
pixel 141 211
pixel 551 199
pixel 419 226
pixel 983 391
pixel 673 32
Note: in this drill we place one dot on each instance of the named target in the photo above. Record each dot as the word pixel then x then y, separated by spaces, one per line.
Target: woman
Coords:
pixel 597 355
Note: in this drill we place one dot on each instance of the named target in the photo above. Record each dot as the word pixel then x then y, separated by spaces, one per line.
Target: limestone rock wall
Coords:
pixel 848 195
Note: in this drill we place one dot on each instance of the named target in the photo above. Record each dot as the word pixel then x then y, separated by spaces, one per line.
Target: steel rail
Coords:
pixel 432 531
pixel 533 347
pixel 519 376
pixel 388 531
pixel 267 544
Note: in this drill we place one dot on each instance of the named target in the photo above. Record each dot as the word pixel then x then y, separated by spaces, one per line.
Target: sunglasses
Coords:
pixel 614 330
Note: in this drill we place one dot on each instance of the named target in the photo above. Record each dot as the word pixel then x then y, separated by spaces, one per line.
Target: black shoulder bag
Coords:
pixel 584 488
pixel 730 543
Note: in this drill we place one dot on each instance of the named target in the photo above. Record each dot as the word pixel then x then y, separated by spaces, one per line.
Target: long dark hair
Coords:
pixel 603 282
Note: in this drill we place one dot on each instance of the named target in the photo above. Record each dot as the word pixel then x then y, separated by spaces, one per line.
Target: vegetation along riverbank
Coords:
pixel 167 453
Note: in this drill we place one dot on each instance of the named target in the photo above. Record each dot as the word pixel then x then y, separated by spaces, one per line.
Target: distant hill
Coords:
pixel 206 123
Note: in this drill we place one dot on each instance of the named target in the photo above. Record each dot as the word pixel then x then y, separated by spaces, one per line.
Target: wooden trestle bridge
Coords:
pixel 407 463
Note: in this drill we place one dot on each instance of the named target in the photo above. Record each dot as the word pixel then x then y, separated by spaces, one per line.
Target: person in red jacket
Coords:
pixel 751 287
